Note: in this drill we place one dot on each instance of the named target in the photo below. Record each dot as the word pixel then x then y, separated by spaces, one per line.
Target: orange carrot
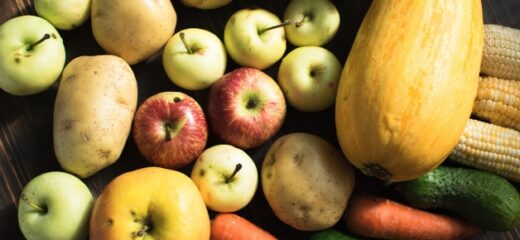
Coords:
pixel 376 217
pixel 229 226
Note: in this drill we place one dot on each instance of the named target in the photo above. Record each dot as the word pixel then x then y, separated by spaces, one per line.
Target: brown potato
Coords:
pixel 306 181
pixel 134 30
pixel 93 113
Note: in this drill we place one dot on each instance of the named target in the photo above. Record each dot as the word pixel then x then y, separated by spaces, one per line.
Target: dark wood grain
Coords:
pixel 26 148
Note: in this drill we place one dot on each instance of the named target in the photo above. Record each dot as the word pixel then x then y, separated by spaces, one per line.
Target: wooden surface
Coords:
pixel 26 148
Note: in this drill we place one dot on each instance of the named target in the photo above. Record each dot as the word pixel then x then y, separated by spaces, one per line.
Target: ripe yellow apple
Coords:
pixel 150 203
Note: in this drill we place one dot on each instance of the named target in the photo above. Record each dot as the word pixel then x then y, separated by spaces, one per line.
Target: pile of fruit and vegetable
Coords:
pixel 411 132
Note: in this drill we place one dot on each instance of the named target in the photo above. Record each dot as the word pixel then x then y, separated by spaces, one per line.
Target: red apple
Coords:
pixel 246 107
pixel 170 129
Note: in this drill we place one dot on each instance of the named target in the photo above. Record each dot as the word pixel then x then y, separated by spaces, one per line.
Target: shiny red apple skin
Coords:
pixel 187 126
pixel 229 117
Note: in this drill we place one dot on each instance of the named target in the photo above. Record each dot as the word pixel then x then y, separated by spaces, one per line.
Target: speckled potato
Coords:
pixel 133 29
pixel 306 181
pixel 93 113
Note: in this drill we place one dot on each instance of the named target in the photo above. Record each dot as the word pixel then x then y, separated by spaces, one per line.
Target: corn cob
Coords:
pixel 489 147
pixel 501 55
pixel 498 101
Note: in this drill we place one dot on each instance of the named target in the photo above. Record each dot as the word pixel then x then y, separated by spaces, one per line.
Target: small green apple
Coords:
pixel 226 176
pixel 63 14
pixel 309 78
pixel 255 38
pixel 189 51
pixel 32 55
pixel 205 4
pixel 313 22
pixel 55 205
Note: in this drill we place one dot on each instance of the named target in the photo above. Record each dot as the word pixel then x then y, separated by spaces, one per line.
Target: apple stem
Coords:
pixel 237 168
pixel 286 22
pixel 314 72
pixel 45 37
pixel 301 22
pixel 183 39
pixel 251 104
pixel 26 200
pixel 168 131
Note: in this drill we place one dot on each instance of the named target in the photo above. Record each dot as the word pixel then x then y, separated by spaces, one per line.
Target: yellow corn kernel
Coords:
pixel 489 147
pixel 498 101
pixel 501 55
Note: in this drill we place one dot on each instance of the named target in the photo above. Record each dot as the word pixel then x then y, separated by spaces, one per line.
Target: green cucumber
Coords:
pixel 331 234
pixel 482 198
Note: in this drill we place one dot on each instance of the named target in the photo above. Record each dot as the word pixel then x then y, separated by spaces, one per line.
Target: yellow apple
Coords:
pixel 308 77
pixel 255 38
pixel 150 203
pixel 226 176
pixel 205 4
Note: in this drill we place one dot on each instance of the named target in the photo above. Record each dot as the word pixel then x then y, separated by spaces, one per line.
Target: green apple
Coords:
pixel 63 14
pixel 309 78
pixel 55 205
pixel 226 176
pixel 189 51
pixel 255 38
pixel 205 4
pixel 32 55
pixel 313 22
